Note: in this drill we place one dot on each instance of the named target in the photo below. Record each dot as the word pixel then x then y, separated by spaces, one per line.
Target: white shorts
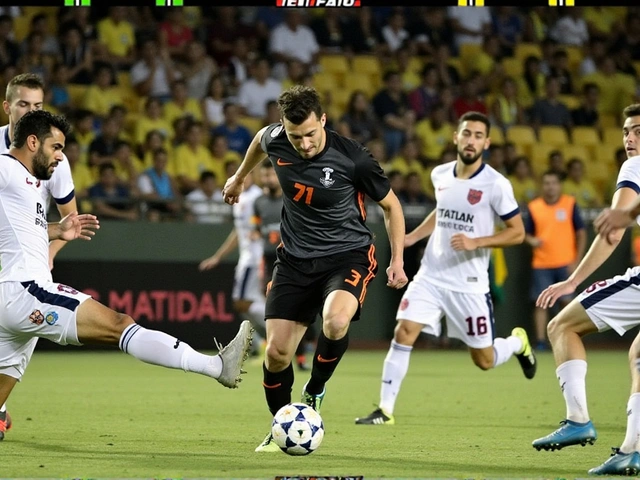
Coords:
pixel 29 311
pixel 469 316
pixel 614 303
pixel 247 283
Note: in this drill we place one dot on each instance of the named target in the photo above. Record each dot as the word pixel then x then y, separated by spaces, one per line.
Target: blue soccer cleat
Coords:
pixel 619 464
pixel 570 433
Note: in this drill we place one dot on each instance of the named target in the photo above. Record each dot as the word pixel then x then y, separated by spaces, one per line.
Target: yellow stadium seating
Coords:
pixel 368 64
pixel 523 50
pixel 540 157
pixel 325 81
pixel 523 137
pixel 497 136
pixel 605 153
pixel 468 51
pixel 575 56
pixel 253 124
pixel 576 151
pixel 586 136
pixel 76 93
pixel 335 64
pixel 571 101
pixel 359 81
pixel 612 136
pixel 512 66
pixel 553 135
pixel 21 27
pixel 608 120
pixel 340 99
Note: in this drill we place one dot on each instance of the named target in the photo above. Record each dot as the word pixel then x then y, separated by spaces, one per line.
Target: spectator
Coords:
pixel 40 25
pixel 60 98
pixel 238 136
pixel 555 164
pixel 556 232
pixel 586 115
pixel 624 62
pixel 111 200
pixel 116 35
pixel 296 74
pixel 616 89
pixel 507 25
pixel 181 105
pixel 359 117
pixel 392 107
pixel 153 141
pixel 127 166
pixel 537 22
pixel 80 172
pixel 430 29
pixel 484 62
pixel 424 97
pixel 595 52
pixel 158 189
pixel 506 109
pixel 532 83
pixel 394 32
pixel 434 133
pixel 273 114
pixel 75 53
pixel 571 29
pixel 549 110
pixel 213 104
pixel 600 21
pixel 396 181
pixel 525 187
pixel 152 119
pixel 103 148
pixel 559 69
pixel 239 63
pixel 470 25
pixel 103 94
pixel 197 70
pixel 154 72
pixel 469 100
pixel 292 39
pixel 175 34
pixel 255 92
pixel 629 36
pixel 192 158
pixel 330 31
pixel 408 160
pixel 224 33
pixel 497 158
pixel 33 60
pixel 205 203
pixel 377 150
pixel 412 194
pixel 84 133
pixel 364 34
pixel 225 161
pixel 406 65
pixel 9 50
pixel 579 187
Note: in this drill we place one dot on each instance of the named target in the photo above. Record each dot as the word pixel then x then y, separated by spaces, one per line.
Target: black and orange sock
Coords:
pixel 277 387
pixel 325 360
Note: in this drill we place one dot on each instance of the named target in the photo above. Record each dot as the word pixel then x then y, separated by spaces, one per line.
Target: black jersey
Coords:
pixel 267 211
pixel 324 211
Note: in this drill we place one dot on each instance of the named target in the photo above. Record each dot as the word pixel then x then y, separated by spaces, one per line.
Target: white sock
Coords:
pixel 256 317
pixel 395 368
pixel 572 377
pixel 632 439
pixel 3 408
pixel 158 348
pixel 505 348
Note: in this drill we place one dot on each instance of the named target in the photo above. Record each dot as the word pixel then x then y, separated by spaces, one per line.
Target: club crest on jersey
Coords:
pixel 327 181
pixel 474 196
pixel 51 317
pixel 36 317
pixel 36 183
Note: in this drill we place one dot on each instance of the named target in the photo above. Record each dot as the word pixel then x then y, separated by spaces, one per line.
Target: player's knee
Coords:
pixel 634 350
pixel 335 325
pixel 554 329
pixel 277 356
pixel 405 333
pixel 120 322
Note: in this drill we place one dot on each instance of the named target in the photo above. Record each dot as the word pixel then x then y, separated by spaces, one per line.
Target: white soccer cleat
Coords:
pixel 234 355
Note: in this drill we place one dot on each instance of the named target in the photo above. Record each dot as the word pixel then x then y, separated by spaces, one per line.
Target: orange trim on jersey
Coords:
pixel 372 266
pixel 363 210
pixel 268 287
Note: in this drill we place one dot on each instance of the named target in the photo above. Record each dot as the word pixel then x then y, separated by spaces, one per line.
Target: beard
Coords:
pixel 469 158
pixel 41 165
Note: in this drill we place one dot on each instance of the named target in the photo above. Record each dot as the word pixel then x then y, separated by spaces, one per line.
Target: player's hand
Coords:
pixel 208 263
pixel 232 189
pixel 460 242
pixel 396 278
pixel 551 294
pixel 611 220
pixel 75 226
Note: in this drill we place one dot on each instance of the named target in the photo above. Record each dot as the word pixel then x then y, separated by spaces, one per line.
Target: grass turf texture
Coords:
pixel 79 414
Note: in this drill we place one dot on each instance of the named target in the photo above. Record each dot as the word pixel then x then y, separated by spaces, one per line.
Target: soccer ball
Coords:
pixel 297 429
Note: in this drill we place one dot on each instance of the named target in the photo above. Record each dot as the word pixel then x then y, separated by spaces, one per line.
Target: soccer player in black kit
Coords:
pixel 327 256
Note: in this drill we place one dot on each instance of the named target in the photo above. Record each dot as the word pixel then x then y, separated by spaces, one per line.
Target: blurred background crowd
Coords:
pixel 165 101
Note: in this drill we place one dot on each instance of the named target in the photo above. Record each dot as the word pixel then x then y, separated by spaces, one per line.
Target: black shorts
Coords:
pixel 299 287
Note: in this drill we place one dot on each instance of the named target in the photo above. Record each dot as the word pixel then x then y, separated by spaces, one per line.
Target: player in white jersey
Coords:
pixel 453 279
pixel 32 306
pixel 248 295
pixel 609 304
pixel 25 92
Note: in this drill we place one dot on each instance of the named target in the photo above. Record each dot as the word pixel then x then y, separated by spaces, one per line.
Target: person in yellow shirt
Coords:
pixel 117 36
pixel 556 231
pixel 84 133
pixel 616 88
pixel 181 105
pixel 152 119
pixel 581 188
pixel 434 133
pixel 525 187
pixel 82 176
pixel 191 158
pixel 102 95
pixel 531 83
pixel 408 160
pixel 506 109
pixel 225 160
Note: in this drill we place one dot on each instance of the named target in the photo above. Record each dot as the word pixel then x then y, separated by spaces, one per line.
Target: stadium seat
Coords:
pixel 340 99
pixel 497 136
pixel 576 151
pixel 612 136
pixel 359 81
pixel 605 153
pixel 553 135
pixel 571 101
pixel 335 64
pixel 540 157
pixel 523 136
pixel 524 50
pixel 608 120
pixel 512 66
pixel 325 81
pixel 253 124
pixel 368 64
pixel 586 136
pixel 21 26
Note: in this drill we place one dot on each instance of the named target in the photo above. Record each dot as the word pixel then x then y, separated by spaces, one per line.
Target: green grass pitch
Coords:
pixel 81 414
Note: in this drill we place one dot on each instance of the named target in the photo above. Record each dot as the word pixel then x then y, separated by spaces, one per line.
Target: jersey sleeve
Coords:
pixel 629 175
pixel 272 132
pixel 369 176
pixel 5 171
pixel 503 200
pixel 576 218
pixel 61 186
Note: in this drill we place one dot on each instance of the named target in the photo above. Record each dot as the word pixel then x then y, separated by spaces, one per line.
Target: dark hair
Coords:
pixel 28 80
pixel 476 117
pixel 298 102
pixel 587 87
pixel 632 110
pixel 106 166
pixel 552 173
pixel 39 123
pixel 206 175
pixel 574 161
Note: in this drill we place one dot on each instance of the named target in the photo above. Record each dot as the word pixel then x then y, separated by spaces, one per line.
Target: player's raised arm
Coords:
pixel 254 155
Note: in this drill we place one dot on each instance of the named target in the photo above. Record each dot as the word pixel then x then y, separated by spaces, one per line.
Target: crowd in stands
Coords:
pixel 164 101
